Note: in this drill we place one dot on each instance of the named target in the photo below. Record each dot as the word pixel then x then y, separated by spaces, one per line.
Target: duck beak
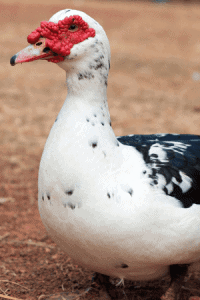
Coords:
pixel 33 52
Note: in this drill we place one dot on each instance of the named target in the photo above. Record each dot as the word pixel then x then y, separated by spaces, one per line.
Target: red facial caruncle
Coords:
pixel 61 37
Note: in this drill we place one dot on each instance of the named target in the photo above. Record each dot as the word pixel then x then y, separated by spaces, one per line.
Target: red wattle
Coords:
pixel 58 36
pixel 34 37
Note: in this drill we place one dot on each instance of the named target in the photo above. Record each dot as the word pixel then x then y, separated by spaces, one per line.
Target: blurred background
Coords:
pixel 153 87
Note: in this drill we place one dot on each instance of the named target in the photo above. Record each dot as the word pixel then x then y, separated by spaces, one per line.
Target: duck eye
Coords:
pixel 73 27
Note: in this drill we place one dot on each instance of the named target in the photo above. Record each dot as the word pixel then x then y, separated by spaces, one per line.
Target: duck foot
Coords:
pixel 108 287
pixel 178 273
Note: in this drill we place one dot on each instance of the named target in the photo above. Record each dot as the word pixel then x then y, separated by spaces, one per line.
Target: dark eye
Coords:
pixel 46 49
pixel 73 27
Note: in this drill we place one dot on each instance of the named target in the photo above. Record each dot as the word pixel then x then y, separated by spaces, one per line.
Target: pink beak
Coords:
pixel 33 52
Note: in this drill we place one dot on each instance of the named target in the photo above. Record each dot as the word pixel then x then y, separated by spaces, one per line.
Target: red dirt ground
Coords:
pixel 153 87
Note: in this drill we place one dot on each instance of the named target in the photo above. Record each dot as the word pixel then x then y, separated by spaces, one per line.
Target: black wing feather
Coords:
pixel 172 156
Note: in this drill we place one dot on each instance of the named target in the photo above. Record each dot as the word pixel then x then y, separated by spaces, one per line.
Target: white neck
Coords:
pixel 85 111
pixel 89 85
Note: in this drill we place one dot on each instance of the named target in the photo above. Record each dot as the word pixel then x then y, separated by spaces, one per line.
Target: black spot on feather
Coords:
pixel 130 191
pixel 94 145
pixel 72 206
pixel 85 75
pixel 124 266
pixel 117 144
pixel 69 192
pixel 98 66
pixel 80 76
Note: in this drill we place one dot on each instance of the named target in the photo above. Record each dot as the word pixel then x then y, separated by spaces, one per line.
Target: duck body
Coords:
pixel 126 207
pixel 104 210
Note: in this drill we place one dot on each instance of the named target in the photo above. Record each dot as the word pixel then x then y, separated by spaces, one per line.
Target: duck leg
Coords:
pixel 108 287
pixel 178 273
